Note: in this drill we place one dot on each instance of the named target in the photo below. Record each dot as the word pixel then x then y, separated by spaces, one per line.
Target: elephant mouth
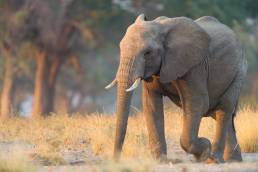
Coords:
pixel 148 79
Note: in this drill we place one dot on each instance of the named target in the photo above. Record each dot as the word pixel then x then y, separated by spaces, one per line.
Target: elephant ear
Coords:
pixel 186 45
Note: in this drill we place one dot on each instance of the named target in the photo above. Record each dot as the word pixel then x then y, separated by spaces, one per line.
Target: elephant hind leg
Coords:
pixel 232 150
pixel 222 122
pixel 225 139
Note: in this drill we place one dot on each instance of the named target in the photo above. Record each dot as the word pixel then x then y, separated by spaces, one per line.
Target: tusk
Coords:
pixel 113 83
pixel 134 86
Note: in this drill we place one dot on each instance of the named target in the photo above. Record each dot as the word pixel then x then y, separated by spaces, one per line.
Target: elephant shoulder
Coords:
pixel 218 31
pixel 207 19
pixel 161 18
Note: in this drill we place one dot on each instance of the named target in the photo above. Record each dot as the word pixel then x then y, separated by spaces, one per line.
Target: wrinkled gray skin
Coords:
pixel 199 65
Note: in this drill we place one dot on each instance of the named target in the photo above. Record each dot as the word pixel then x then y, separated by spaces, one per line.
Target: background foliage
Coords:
pixel 93 49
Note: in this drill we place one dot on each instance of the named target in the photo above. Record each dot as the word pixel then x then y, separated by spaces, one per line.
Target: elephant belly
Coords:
pixel 170 91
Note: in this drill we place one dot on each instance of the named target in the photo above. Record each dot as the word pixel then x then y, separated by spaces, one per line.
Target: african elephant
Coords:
pixel 199 64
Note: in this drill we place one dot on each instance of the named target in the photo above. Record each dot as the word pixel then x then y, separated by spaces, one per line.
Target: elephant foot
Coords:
pixel 163 158
pixel 158 155
pixel 200 148
pixel 203 156
pixel 206 150
pixel 233 156
pixel 235 159
pixel 215 159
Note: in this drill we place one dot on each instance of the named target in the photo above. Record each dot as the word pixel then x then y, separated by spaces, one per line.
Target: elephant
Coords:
pixel 199 65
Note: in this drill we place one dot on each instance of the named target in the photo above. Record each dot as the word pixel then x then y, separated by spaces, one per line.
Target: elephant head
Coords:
pixel 165 47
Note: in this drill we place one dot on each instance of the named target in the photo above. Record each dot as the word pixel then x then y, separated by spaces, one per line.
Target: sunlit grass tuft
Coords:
pixel 247 129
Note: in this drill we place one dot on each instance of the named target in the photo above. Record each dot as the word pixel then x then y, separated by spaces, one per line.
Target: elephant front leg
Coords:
pixel 153 111
pixel 195 102
pixel 200 147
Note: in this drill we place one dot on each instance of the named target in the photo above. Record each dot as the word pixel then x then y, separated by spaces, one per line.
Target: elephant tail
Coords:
pixel 233 117
pixel 233 123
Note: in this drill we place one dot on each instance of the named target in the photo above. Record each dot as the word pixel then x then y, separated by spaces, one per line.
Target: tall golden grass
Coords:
pixel 94 134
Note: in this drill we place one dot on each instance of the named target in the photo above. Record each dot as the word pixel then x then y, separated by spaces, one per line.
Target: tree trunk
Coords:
pixel 8 79
pixel 40 90
pixel 54 69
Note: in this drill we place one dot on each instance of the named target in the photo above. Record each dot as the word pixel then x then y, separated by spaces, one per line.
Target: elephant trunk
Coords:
pixel 123 107
pixel 125 78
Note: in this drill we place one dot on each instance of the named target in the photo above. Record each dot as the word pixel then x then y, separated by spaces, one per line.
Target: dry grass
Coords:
pixel 129 165
pixel 93 135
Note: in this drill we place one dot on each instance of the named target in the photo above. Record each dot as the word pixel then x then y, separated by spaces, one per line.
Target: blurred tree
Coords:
pixel 62 30
pixel 84 35
pixel 8 51
pixel 51 27
pixel 8 80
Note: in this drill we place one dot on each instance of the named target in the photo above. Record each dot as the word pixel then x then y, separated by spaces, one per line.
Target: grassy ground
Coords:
pixel 60 139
